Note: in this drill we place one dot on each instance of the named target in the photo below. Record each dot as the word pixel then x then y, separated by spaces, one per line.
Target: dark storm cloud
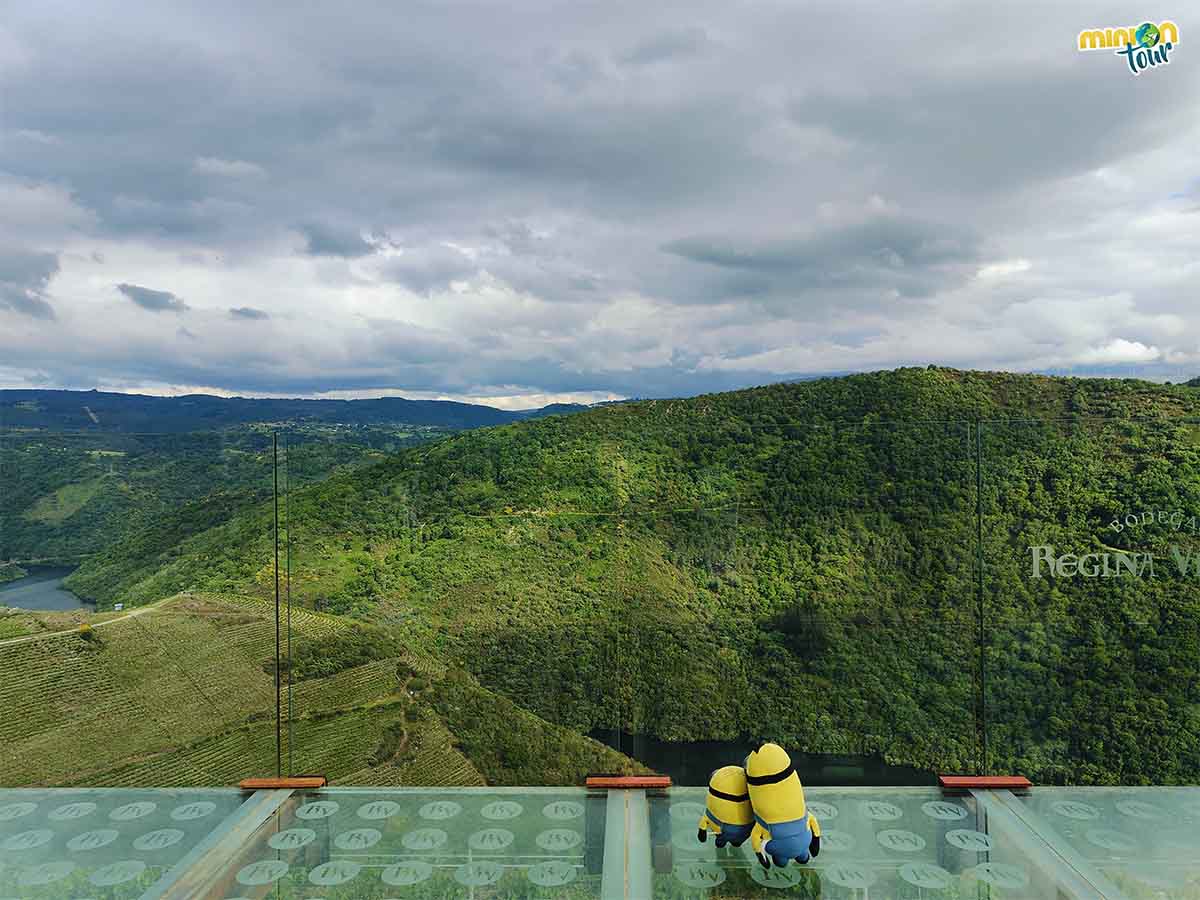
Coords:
pixel 152 300
pixel 23 279
pixel 420 364
pixel 915 258
pixel 999 130
pixel 411 345
pixel 423 270
pixel 891 242
pixel 248 312
pixel 329 240
pixel 627 158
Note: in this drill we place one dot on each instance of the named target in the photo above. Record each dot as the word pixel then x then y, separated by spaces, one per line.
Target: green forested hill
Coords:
pixel 796 562
pixel 63 496
pixel 80 468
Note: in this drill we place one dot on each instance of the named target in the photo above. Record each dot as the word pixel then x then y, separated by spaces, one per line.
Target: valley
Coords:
pixel 840 565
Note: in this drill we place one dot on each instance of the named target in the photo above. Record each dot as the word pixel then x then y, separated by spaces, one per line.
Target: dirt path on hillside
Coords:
pixel 140 611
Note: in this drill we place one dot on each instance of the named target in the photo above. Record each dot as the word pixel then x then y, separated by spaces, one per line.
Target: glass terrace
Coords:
pixel 564 842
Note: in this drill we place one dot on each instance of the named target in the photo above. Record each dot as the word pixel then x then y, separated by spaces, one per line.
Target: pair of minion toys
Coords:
pixel 764 801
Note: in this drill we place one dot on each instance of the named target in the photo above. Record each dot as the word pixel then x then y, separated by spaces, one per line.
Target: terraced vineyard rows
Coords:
pixel 435 761
pixel 204 689
pixel 16 624
pixel 184 695
pixel 349 688
pixel 305 621
pixel 138 686
pixel 180 696
pixel 388 775
pixel 76 706
pixel 424 665
pixel 42 681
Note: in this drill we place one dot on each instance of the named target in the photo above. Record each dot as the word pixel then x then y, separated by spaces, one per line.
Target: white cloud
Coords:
pixel 1119 350
pixel 36 137
pixel 1114 179
pixel 227 168
pixel 39 212
pixel 1004 268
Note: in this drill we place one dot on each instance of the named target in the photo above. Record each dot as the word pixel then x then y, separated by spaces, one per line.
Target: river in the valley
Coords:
pixel 41 590
pixel 691 762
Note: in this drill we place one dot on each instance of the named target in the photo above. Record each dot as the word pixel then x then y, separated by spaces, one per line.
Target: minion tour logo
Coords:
pixel 1144 46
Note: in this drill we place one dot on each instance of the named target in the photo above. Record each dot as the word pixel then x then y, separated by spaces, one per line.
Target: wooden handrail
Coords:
pixel 639 782
pixel 295 783
pixel 985 782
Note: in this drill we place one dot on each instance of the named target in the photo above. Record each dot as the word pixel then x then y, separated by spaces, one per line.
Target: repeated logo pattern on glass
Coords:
pixel 291 839
pixel 465 843
pixel 106 840
pixel 947 845
pixel 469 843
pixel 71 811
pixel 406 873
pixel 868 845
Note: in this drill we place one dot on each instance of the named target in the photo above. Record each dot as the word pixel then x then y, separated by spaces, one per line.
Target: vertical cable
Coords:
pixel 287 488
pixel 983 756
pixel 278 709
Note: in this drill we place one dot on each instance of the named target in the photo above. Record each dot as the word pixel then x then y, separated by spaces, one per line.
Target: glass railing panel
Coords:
pixel 101 843
pixel 123 507
pixel 162 673
pixel 434 644
pixel 887 842
pixel 495 581
pixel 734 707
pixel 424 843
pixel 821 612
pixel 631 577
pixel 1090 541
pixel 1145 841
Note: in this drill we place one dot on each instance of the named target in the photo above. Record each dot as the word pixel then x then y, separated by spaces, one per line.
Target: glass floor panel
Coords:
pixel 423 843
pixel 101 843
pixel 1144 840
pixel 885 842
pixel 510 843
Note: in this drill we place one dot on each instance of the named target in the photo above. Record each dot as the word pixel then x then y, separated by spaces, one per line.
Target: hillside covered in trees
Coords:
pixel 68 495
pixel 79 469
pixel 840 565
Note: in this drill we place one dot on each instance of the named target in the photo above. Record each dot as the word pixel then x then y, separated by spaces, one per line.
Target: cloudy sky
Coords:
pixel 523 202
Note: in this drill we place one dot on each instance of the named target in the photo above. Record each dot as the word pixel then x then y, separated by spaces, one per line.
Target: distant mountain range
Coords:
pixel 106 411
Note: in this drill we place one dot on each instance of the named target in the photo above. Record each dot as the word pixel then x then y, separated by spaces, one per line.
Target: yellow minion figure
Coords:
pixel 727 808
pixel 784 829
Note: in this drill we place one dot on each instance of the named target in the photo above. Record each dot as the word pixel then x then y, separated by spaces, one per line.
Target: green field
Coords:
pixel 59 505
pixel 183 694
